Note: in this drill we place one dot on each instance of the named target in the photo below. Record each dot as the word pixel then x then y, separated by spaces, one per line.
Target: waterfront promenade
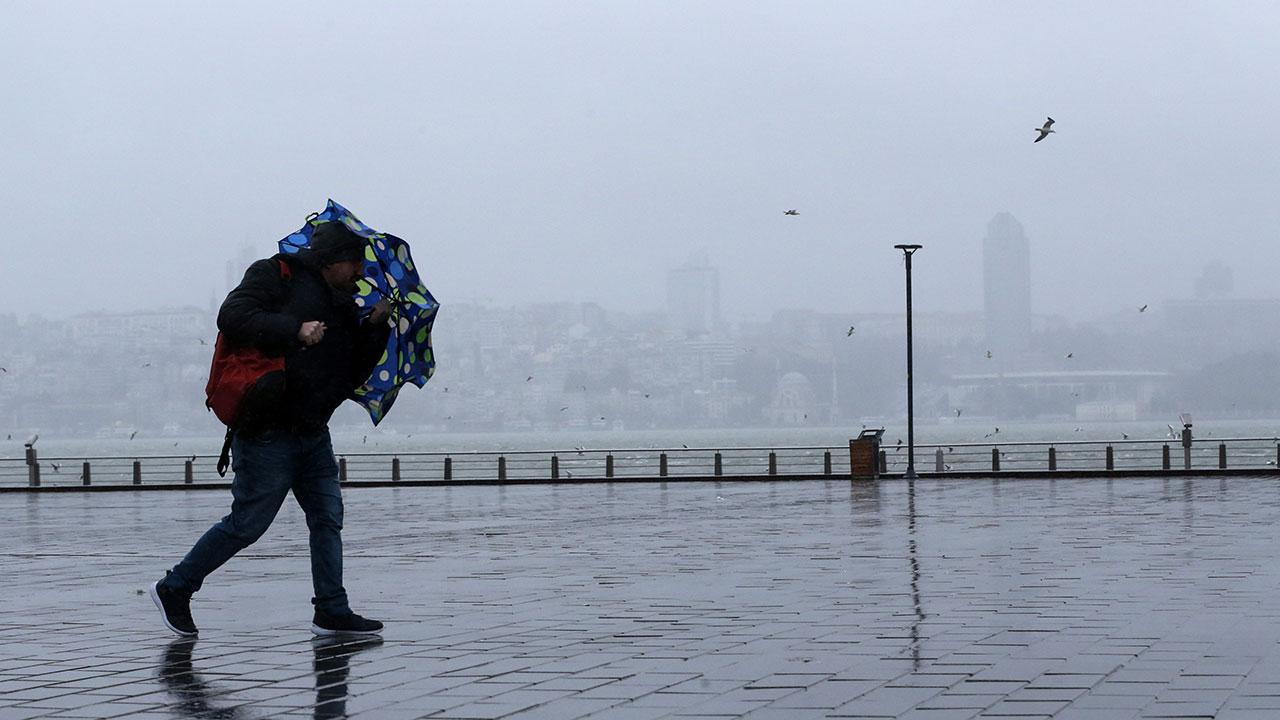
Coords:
pixel 943 598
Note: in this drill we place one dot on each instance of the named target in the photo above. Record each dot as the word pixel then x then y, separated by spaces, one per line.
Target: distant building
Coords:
pixel 693 296
pixel 793 400
pixel 1006 283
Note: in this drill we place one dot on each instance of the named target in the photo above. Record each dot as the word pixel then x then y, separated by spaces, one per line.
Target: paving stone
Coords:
pixel 1081 598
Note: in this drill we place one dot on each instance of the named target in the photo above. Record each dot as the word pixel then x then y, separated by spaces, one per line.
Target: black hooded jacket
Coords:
pixel 267 310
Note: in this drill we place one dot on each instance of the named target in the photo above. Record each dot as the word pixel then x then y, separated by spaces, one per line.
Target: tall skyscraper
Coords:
pixel 1006 282
pixel 693 295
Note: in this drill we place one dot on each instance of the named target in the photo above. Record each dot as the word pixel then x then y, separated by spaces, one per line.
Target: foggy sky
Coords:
pixel 576 151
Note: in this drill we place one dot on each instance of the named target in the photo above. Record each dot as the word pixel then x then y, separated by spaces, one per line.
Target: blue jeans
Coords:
pixel 267 467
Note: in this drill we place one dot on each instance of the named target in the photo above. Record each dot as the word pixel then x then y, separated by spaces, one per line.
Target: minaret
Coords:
pixel 835 405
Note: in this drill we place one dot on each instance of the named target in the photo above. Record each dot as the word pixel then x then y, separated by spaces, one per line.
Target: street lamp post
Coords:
pixel 907 252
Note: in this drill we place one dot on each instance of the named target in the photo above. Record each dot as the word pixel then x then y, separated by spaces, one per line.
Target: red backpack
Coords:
pixel 236 370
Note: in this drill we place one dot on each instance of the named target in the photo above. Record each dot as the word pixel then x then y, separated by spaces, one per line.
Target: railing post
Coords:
pixel 608 465
pixel 448 468
pixel 137 472
pixel 1222 456
pixel 938 465
pixel 84 473
pixel 188 472
pixel 773 463
pixel 826 462
pixel 33 467
pixel 1164 456
pixel 662 465
pixel 1053 458
pixel 502 468
pixel 995 458
pixel 395 469
pixel 342 470
pixel 1111 458
pixel 884 462
pixel 720 463
pixel 555 467
pixel 1278 456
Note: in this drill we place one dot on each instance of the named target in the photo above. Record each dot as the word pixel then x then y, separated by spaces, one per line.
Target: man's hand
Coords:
pixel 311 332
pixel 380 311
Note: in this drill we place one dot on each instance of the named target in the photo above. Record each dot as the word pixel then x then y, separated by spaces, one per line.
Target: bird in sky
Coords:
pixel 791 212
pixel 4 370
pixel 1124 436
pixel 958 411
pixel 850 333
pixel 146 365
pixel 1071 355
pixel 988 354
pixel 203 341
pixel 566 407
pixel 528 378
pixel 133 434
pixel 1142 309
pixel 56 467
pixel 1044 131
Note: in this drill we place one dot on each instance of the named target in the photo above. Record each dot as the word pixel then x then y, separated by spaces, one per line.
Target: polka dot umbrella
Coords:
pixel 389 273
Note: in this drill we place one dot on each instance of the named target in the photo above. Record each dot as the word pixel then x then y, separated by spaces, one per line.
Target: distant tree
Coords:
pixel 1248 382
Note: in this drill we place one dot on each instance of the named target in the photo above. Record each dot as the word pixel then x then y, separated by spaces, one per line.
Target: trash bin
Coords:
pixel 864 455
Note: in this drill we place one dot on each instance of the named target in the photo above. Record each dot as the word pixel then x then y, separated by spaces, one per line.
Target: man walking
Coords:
pixel 299 307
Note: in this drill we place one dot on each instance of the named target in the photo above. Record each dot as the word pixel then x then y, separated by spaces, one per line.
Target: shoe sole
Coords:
pixel 155 598
pixel 325 632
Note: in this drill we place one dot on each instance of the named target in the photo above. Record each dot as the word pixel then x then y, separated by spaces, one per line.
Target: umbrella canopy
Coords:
pixel 390 274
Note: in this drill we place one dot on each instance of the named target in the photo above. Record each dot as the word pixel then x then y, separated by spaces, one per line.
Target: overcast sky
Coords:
pixel 575 151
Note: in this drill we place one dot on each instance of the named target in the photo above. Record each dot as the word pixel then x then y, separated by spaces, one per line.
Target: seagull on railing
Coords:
pixel 1044 131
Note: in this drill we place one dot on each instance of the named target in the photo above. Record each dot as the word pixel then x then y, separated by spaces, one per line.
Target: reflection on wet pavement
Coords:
pixel 1034 598
pixel 332 666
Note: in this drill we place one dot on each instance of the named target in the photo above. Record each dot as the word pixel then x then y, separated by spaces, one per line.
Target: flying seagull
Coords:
pixel 1070 355
pixel 791 212
pixel 1044 131
pixel 988 354
pixel 850 333
pixel 1142 309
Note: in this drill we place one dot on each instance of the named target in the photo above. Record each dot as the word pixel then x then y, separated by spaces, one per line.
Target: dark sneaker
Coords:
pixel 350 624
pixel 175 610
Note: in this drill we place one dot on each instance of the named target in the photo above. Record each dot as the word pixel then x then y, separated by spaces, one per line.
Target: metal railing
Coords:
pixel 641 464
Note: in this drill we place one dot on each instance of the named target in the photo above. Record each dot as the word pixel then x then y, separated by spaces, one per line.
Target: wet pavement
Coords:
pixel 938 599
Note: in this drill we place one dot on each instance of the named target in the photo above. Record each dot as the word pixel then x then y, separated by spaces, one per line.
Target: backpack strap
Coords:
pixel 224 458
